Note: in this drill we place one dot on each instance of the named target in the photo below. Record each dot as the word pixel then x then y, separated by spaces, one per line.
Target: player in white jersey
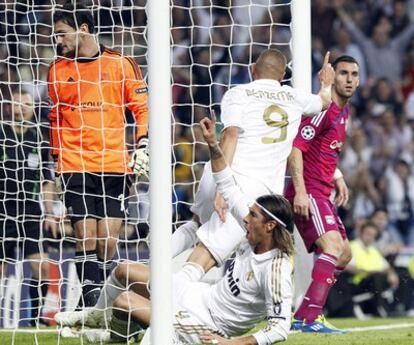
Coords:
pixel 257 285
pixel 263 117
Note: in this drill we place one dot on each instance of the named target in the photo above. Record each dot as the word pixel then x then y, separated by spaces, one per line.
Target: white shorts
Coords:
pixel 220 238
pixel 190 306
pixel 203 205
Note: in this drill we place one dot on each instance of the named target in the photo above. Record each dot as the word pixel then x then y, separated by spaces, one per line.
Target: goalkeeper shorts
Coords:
pixel 95 195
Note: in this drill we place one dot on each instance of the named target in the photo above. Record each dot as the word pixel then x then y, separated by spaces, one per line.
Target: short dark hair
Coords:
pixel 344 58
pixel 75 16
pixel 368 224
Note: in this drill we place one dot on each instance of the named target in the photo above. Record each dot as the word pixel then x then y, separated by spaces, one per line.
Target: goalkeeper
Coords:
pixel 257 285
pixel 90 87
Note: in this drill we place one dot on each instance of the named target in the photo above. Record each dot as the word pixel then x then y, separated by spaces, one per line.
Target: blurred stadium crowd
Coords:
pixel 213 45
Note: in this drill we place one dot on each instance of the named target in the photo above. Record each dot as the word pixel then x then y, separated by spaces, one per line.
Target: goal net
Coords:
pixel 213 44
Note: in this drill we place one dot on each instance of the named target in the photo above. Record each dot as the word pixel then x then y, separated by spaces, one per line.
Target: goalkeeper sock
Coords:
pixel 184 237
pixel 192 272
pixel 111 290
pixel 36 299
pixel 88 271
pixel 105 268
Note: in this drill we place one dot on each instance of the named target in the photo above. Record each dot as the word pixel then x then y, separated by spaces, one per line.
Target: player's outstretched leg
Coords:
pixel 88 317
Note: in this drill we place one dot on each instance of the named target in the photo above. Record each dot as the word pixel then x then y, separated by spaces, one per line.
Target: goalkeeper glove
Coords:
pixel 139 162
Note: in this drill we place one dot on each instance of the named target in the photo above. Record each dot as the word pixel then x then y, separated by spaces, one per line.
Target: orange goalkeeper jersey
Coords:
pixel 88 115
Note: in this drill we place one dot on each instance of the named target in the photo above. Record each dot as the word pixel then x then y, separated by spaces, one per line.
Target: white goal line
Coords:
pixel 372 328
pixel 353 329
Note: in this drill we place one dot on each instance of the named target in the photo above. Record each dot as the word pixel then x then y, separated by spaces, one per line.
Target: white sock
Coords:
pixel 192 272
pixel 111 290
pixel 184 237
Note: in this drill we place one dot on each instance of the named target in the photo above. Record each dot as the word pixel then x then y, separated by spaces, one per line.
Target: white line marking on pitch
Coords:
pixel 354 329
pixel 380 328
pixel 372 328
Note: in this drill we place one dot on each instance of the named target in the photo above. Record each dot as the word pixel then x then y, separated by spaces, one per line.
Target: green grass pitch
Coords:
pixel 397 336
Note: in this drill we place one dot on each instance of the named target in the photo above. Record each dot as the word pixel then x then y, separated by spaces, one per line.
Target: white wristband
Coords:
pixel 337 174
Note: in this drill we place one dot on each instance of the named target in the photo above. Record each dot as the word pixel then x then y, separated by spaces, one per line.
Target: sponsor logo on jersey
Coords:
pixel 88 106
pixel 336 145
pixel 308 132
pixel 141 90
pixel 233 282
pixel 330 220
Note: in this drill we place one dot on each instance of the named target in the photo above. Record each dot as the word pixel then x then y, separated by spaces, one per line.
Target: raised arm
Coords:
pixel 223 176
pixel 326 78
pixel 208 128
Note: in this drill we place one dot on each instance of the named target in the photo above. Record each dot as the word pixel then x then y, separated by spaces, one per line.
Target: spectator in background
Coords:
pixel 390 247
pixel 344 46
pixel 400 200
pixel 323 9
pixel 386 242
pixel 395 136
pixel 26 178
pixel 366 197
pixel 371 272
pixel 399 18
pixel 356 150
pixel 383 54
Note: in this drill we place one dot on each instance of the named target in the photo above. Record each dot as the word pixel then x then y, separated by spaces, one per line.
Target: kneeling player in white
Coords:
pixel 257 285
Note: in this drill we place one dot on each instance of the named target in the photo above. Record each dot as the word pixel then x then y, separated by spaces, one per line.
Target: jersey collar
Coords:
pixel 93 58
pixel 267 81
pixel 266 256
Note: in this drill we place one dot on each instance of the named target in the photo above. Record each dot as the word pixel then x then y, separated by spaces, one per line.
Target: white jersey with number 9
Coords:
pixel 268 116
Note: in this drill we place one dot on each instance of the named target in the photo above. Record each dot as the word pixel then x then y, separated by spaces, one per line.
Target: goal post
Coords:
pixel 302 79
pixel 159 72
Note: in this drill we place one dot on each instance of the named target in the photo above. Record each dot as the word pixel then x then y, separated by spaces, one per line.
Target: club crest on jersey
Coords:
pixel 336 145
pixel 308 132
pixel 249 275
pixel 330 220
